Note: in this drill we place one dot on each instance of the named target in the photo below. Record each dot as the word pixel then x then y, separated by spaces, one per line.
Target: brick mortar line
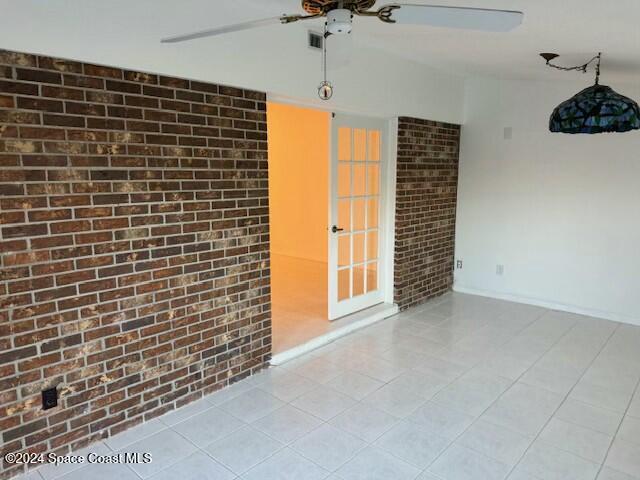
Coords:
pixel 118 300
pixel 122 79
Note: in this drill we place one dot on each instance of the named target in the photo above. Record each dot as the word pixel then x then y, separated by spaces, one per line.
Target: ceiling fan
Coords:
pixel 339 16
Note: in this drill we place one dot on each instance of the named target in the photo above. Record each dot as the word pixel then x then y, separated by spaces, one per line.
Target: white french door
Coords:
pixel 356 256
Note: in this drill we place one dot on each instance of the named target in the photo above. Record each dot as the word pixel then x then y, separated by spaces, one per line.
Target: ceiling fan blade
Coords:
pixel 483 19
pixel 231 28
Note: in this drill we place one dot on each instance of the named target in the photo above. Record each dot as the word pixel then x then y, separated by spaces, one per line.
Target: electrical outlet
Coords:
pixel 499 269
pixel 459 264
pixel 49 398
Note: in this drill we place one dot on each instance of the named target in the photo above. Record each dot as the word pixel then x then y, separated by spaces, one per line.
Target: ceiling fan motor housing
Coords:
pixel 339 21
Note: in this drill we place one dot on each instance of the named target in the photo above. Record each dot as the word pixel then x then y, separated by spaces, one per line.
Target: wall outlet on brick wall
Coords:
pixel 144 199
pixel 49 398
pixel 459 264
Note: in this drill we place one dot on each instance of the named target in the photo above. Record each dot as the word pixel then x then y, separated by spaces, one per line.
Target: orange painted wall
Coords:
pixel 298 180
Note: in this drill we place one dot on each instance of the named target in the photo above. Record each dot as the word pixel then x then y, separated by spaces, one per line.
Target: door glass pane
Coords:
pixel 373 180
pixel 344 215
pixel 360 153
pixel 372 245
pixel 359 144
pixel 372 276
pixel 344 143
pixel 344 179
pixel 358 280
pixel 358 179
pixel 358 248
pixel 343 284
pixel 374 146
pixel 344 250
pixel 358 214
pixel 372 213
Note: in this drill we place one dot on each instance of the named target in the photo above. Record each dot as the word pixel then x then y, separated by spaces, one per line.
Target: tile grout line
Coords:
pixel 367 443
pixel 501 395
pixel 565 397
pixel 468 369
pixel 283 447
pixel 198 448
pixel 615 435
pixel 513 382
pixel 426 469
pixel 171 428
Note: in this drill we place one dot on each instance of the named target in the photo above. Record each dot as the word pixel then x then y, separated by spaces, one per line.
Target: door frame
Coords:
pixel 388 184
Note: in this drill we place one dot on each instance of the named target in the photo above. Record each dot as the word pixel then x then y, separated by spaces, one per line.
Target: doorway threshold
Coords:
pixel 339 328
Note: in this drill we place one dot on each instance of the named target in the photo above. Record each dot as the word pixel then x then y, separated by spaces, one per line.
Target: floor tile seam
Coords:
pixel 203 449
pixel 354 455
pixel 474 450
pixel 238 475
pixel 563 449
pixel 501 395
pixel 525 382
pixel 290 402
pixel 397 420
pixel 478 418
pixel 591 429
pixel 615 436
pixel 537 436
pixel 289 443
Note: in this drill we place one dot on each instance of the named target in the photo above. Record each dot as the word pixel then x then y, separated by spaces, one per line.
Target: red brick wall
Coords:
pixel 427 181
pixel 134 245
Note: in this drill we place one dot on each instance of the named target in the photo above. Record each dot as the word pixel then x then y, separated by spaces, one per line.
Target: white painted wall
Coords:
pixel 560 212
pixel 275 59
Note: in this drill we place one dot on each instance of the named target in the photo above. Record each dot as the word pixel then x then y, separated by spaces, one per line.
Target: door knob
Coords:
pixel 335 229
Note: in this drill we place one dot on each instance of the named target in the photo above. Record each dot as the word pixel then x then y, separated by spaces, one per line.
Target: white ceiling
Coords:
pixel 273 59
pixel 577 29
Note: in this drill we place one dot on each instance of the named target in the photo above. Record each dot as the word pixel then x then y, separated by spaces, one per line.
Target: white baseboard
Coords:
pixel 616 317
pixel 359 320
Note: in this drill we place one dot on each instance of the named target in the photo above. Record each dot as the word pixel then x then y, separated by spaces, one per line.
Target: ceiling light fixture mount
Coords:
pixel 597 109
pixel 549 57
pixel 339 21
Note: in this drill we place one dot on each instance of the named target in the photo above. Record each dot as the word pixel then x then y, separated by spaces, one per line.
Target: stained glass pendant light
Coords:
pixel 597 109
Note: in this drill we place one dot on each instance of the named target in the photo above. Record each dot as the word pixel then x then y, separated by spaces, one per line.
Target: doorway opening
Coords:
pixel 327 229
pixel 299 140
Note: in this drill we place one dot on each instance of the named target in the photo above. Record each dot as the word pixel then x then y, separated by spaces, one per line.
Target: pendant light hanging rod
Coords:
pixel 549 57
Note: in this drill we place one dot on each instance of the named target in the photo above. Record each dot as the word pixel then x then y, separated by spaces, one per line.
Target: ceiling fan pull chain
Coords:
pixel 324 52
pixel 325 90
